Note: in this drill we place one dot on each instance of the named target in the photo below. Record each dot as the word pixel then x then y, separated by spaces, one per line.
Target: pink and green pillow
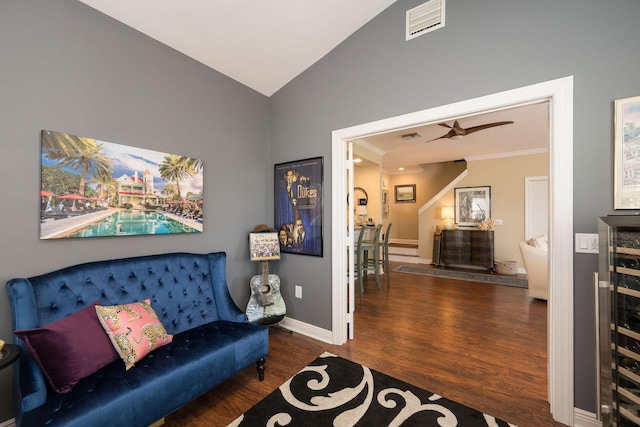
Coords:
pixel 134 330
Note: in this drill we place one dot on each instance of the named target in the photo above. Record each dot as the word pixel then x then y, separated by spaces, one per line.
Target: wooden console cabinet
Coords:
pixel 465 247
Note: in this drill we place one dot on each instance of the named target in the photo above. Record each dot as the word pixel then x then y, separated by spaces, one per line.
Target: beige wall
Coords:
pixel 506 178
pixel 369 178
pixel 429 183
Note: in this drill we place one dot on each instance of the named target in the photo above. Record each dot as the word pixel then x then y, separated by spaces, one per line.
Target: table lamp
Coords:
pixel 447 214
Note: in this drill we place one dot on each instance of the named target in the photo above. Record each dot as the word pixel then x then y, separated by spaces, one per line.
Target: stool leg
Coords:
pixel 387 272
pixel 376 265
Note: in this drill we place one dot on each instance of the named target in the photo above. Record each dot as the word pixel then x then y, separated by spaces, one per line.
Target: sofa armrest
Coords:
pixel 30 387
pixel 29 381
pixel 536 264
pixel 227 308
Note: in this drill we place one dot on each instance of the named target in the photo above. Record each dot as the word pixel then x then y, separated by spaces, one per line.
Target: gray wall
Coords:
pixel 487 46
pixel 66 67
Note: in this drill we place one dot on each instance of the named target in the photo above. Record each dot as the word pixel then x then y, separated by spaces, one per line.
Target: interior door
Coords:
pixel 536 201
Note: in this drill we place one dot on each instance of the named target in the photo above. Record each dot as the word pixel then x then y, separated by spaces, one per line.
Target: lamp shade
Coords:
pixel 447 212
pixel 361 210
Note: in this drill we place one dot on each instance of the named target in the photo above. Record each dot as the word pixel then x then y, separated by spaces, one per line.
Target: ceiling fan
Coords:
pixel 457 131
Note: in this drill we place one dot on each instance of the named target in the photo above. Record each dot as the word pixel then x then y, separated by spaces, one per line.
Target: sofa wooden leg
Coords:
pixel 260 367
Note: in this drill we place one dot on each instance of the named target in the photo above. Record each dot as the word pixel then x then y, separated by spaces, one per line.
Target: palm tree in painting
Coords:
pixel 84 154
pixel 169 190
pixel 102 180
pixel 195 164
pixel 58 145
pixel 176 168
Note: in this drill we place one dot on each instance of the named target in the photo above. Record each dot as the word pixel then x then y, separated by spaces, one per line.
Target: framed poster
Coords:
pixel 626 191
pixel 406 193
pixel 472 205
pixel 298 206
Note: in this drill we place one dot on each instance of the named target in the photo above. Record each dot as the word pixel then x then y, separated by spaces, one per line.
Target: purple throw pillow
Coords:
pixel 71 348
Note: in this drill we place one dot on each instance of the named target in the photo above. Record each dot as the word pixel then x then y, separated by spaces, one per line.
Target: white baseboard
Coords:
pixel 582 418
pixel 306 329
pixel 8 423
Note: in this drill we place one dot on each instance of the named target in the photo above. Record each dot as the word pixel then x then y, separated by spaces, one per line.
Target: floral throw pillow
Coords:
pixel 134 330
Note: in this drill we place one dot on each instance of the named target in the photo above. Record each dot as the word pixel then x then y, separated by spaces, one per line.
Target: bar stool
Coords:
pixel 363 251
pixel 384 245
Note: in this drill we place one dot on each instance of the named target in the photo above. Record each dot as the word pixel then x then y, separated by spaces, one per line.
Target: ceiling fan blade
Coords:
pixel 459 131
pixel 448 135
pixel 485 126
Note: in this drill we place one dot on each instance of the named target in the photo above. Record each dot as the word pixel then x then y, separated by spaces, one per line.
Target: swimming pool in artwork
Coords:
pixel 134 222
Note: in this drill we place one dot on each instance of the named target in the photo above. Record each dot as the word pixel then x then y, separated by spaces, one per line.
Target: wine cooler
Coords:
pixel 618 297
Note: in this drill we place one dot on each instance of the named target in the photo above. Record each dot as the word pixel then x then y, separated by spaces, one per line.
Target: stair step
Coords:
pixel 403 250
pixel 409 259
pixel 403 245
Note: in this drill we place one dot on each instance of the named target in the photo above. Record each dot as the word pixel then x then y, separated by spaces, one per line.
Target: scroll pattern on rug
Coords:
pixel 332 391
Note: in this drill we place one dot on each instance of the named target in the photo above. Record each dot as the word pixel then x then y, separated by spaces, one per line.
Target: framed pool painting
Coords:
pixel 298 206
pixel 92 188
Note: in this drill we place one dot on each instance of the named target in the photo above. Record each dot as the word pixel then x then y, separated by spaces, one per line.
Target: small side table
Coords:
pixel 9 354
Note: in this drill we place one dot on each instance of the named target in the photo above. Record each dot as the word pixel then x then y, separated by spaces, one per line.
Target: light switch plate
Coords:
pixel 586 243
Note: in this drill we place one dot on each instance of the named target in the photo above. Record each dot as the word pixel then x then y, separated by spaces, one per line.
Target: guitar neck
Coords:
pixel 265 272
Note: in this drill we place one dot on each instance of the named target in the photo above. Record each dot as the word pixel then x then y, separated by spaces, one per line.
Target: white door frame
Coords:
pixel 559 93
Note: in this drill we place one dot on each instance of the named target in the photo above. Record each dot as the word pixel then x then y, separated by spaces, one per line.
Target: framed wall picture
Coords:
pixel 298 206
pixel 94 188
pixel 405 193
pixel 626 163
pixel 385 201
pixel 472 205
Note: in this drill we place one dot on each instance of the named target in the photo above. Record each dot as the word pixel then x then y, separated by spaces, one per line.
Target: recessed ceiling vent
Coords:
pixel 427 17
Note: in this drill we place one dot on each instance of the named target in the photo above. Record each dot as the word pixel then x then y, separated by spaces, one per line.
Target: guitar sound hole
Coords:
pixel 265 289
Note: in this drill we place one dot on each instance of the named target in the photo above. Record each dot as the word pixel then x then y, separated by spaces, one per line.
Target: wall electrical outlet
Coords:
pixel 587 243
pixel 298 289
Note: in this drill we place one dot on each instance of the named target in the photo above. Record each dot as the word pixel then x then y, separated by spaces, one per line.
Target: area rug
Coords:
pixel 464 275
pixel 332 391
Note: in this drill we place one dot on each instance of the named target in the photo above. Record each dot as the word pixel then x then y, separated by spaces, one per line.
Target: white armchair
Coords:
pixel 534 254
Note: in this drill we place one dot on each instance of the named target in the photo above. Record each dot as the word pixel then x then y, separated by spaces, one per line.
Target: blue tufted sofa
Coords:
pixel 189 293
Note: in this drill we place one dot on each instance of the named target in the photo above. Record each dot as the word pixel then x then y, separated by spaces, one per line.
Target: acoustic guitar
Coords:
pixel 265 306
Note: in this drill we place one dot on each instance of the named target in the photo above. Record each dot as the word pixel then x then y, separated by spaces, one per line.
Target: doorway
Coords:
pixel 559 93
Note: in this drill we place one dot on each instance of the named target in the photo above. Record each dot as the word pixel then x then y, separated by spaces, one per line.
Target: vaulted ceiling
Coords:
pixel 263 44
pixel 266 44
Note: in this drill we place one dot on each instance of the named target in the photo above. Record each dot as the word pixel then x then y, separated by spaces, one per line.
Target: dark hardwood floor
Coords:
pixel 481 345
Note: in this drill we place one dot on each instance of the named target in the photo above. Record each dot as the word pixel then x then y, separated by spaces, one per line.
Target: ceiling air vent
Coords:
pixel 427 17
